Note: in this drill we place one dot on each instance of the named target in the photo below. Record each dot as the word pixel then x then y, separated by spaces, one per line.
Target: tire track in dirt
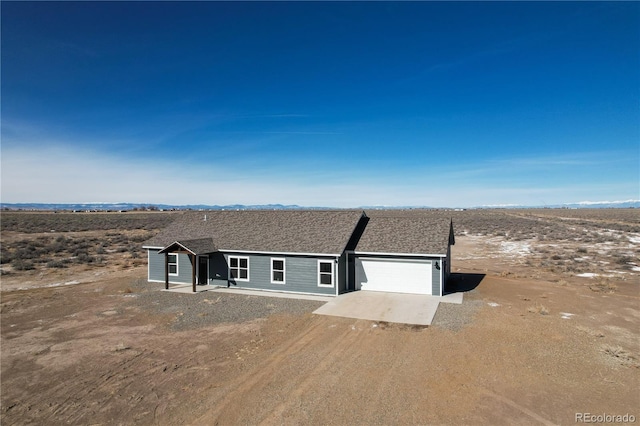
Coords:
pixel 104 382
pixel 119 388
pixel 261 373
pixel 335 352
pixel 385 379
pixel 518 407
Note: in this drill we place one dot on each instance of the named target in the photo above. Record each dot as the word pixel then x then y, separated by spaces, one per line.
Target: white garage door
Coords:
pixel 393 275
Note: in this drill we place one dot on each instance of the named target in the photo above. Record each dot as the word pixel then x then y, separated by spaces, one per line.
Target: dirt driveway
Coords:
pixel 113 352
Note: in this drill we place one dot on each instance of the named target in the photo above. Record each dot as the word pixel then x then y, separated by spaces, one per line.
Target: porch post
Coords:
pixel 193 271
pixel 166 271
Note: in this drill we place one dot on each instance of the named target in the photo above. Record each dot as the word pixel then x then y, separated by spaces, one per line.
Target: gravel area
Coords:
pixel 455 317
pixel 208 308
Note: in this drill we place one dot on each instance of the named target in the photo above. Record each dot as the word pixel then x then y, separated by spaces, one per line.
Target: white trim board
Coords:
pixel 281 253
pixel 377 253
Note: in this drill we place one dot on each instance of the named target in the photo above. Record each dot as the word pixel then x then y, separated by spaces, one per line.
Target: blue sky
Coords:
pixel 339 104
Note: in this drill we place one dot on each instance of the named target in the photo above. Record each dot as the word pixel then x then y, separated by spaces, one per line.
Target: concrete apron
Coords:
pixel 414 309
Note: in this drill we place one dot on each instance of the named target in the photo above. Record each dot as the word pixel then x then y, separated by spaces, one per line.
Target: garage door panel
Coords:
pixel 394 275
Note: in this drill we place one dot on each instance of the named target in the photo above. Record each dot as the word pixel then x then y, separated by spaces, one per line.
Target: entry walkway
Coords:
pixel 414 309
pixel 187 288
pixel 280 295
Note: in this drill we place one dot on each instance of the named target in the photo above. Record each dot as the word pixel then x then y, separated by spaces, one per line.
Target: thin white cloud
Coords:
pixel 302 133
pixel 66 175
pixel 534 167
pixel 562 160
pixel 62 174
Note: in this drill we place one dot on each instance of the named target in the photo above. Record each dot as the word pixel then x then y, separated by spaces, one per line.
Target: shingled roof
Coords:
pixel 274 231
pixel 394 232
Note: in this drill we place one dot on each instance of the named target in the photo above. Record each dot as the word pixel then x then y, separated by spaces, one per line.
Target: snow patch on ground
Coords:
pixel 515 248
pixel 634 238
pixel 470 257
pixel 493 304
pixel 587 275
pixel 604 248
pixel 61 284
pixel 50 285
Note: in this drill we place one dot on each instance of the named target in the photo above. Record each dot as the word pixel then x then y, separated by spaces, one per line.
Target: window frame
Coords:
pixel 333 278
pixel 238 268
pixel 177 263
pixel 284 270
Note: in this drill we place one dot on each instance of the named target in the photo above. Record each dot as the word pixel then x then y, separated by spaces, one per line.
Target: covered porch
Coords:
pixel 198 251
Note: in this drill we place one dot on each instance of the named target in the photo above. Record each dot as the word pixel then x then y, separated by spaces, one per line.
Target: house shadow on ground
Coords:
pixel 461 282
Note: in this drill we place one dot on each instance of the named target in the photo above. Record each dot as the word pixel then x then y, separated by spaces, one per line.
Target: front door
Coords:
pixel 203 270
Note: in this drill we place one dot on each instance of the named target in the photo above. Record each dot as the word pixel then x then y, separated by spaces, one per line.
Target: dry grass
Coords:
pixel 620 354
pixel 29 222
pixel 590 331
pixel 121 347
pixel 62 240
pixel 604 286
pixel 63 251
pixel 566 242
pixel 538 309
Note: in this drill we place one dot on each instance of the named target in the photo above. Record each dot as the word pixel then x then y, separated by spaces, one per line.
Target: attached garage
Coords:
pixel 402 252
pixel 393 275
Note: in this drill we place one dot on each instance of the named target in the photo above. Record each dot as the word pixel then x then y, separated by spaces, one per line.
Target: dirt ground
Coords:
pixel 541 346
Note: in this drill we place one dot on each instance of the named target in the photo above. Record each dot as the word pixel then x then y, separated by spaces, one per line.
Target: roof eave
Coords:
pixel 166 249
pixel 380 253
pixel 284 253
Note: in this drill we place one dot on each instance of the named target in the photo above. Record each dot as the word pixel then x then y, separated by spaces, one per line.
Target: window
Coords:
pixel 239 268
pixel 325 273
pixel 173 264
pixel 277 271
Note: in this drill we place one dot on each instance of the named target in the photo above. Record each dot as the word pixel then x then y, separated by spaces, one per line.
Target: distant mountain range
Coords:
pixel 147 206
pixel 144 206
pixel 578 205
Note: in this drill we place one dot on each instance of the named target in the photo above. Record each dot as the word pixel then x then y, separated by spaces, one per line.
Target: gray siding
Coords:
pixel 351 272
pixel 435 276
pixel 218 269
pixel 156 268
pixel 342 273
pixel 448 262
pixel 301 274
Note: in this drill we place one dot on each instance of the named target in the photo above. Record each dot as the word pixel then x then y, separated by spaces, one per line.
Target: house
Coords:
pixel 403 254
pixel 323 252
